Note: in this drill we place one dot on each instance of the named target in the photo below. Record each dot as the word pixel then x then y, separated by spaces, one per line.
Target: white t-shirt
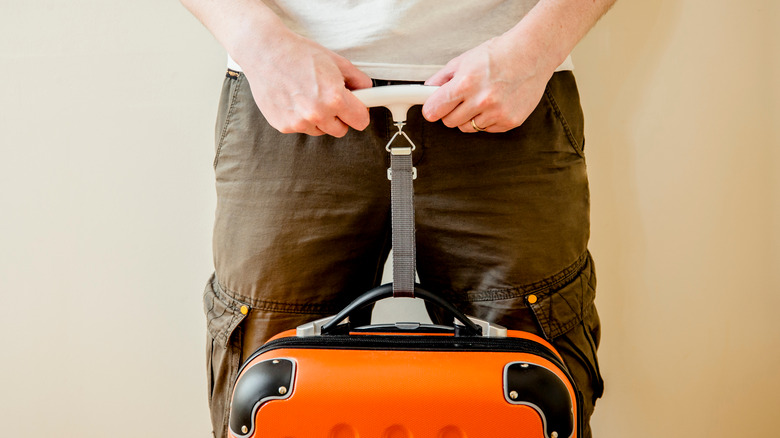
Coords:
pixel 401 39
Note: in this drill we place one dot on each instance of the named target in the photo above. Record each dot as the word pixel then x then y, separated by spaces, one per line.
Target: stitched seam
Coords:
pixel 281 307
pixel 235 357
pixel 541 317
pixel 592 345
pixel 231 109
pixel 551 283
pixel 566 128
pixel 561 328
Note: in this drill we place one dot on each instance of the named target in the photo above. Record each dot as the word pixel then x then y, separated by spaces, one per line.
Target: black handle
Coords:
pixel 386 291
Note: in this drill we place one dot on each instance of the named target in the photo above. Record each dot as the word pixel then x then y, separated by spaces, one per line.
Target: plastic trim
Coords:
pixel 545 382
pixel 259 387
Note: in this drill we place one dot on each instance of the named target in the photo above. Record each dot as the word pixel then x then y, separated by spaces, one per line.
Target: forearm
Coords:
pixel 553 28
pixel 242 27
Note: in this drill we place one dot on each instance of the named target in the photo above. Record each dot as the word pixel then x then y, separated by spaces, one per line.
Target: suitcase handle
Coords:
pixel 386 291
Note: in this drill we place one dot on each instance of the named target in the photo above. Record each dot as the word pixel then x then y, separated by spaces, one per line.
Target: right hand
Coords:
pixel 302 87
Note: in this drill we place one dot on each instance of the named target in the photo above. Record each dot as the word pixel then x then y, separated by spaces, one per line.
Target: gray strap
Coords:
pixel 402 174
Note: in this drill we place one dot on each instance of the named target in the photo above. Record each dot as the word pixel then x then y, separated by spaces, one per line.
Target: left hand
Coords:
pixel 497 84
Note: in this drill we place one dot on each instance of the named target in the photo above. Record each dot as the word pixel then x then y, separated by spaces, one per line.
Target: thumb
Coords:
pixel 442 76
pixel 354 79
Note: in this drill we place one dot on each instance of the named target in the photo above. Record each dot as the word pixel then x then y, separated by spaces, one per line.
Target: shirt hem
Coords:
pixel 401 72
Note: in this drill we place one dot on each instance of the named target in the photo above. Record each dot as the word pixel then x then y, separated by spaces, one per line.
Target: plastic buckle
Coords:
pixel 390 173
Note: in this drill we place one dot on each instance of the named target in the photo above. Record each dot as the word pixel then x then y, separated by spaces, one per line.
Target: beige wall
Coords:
pixel 682 103
pixel 107 200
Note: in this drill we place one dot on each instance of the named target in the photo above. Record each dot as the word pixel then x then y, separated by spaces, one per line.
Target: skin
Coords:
pixel 497 84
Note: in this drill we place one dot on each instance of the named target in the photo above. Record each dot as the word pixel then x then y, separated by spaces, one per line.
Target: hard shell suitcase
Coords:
pixel 469 379
pixel 404 380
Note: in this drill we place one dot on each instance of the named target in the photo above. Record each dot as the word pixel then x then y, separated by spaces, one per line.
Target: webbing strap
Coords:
pixel 402 174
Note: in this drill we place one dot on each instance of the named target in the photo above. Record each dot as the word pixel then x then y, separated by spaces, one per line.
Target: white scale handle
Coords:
pixel 397 98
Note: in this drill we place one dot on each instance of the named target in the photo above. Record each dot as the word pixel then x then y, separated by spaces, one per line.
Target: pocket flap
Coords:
pixel 223 313
pixel 560 310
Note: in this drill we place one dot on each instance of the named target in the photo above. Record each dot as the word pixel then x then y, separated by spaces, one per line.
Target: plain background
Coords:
pixel 106 207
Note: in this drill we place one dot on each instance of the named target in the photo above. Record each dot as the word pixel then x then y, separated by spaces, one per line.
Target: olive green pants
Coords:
pixel 303 227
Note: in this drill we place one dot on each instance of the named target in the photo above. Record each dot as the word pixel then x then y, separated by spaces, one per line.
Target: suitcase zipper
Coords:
pixel 413 343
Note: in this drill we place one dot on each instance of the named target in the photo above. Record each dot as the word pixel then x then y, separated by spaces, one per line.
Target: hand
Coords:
pixel 497 84
pixel 302 87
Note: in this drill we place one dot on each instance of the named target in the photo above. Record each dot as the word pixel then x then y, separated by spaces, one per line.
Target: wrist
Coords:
pixel 253 37
pixel 549 32
pixel 535 55
pixel 553 28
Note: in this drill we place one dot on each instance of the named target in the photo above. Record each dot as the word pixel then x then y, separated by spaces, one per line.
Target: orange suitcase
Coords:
pixel 473 379
pixel 467 379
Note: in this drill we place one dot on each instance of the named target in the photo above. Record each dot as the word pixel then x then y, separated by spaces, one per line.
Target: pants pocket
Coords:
pixel 226 109
pixel 223 351
pixel 569 320
pixel 581 344
pixel 564 99
pixel 559 310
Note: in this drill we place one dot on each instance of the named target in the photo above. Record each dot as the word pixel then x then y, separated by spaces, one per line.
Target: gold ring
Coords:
pixel 476 128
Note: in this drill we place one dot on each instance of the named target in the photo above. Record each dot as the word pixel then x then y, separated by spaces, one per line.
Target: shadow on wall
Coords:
pixel 614 66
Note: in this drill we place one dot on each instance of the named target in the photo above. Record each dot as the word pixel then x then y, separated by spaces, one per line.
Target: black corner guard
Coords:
pixel 267 380
pixel 539 388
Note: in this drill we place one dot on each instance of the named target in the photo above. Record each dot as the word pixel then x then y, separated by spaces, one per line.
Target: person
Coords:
pixel 502 200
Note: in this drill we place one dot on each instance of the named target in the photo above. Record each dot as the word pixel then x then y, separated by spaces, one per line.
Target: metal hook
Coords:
pixel 400 150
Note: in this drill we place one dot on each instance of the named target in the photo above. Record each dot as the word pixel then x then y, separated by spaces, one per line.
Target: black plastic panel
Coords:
pixel 538 387
pixel 260 383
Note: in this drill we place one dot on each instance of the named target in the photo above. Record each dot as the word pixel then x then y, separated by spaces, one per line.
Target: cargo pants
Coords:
pixel 303 227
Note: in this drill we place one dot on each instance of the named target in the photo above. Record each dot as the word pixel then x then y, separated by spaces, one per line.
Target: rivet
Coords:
pixel 275 362
pixel 532 299
pixel 524 365
pixel 244 310
pixel 513 395
pixel 554 435
pixel 282 390
pixel 244 429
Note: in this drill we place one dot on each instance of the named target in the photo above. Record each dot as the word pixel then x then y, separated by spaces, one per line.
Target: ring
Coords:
pixel 476 128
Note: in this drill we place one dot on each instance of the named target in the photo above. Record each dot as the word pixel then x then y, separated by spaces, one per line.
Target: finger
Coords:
pixel 301 127
pixel 333 126
pixel 354 78
pixel 460 115
pixel 484 126
pixel 441 77
pixel 353 112
pixel 442 102
pixel 314 132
